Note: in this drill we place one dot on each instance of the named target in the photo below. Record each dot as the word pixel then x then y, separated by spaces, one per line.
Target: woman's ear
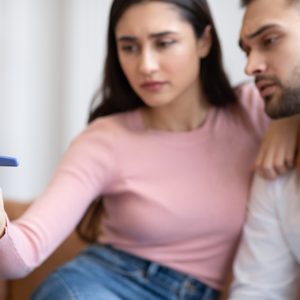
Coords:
pixel 205 42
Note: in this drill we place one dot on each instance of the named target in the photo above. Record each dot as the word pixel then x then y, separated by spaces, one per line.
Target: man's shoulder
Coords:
pixel 285 192
pixel 280 196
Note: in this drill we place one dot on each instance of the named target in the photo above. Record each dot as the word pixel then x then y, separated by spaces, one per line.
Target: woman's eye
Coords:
pixel 129 48
pixel 165 43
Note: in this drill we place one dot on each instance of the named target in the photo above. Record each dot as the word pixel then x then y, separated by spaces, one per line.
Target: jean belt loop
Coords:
pixel 151 269
pixel 209 294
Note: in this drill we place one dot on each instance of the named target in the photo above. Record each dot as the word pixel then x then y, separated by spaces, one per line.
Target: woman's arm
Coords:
pixel 2 216
pixel 85 172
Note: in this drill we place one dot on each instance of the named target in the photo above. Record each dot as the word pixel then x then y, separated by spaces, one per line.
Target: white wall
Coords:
pixel 228 18
pixel 30 92
pixel 51 55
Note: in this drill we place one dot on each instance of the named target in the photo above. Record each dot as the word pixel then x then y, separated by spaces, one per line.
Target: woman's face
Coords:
pixel 160 54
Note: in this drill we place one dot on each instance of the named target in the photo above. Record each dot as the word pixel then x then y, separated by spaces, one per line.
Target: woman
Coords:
pixel 168 155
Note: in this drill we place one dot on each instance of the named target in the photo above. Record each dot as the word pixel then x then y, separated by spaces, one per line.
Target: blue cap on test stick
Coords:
pixel 7 161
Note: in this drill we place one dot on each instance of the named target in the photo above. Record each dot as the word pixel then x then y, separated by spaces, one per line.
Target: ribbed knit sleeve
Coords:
pixel 87 170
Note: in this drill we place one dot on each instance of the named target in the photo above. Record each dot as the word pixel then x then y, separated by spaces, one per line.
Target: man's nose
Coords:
pixel 256 64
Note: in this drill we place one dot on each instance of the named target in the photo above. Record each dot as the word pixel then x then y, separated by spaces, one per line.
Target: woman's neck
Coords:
pixel 185 117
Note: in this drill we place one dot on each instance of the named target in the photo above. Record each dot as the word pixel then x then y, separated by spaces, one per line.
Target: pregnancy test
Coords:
pixel 8 161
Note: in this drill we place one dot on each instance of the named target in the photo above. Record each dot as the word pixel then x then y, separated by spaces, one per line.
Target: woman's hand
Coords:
pixel 278 150
pixel 2 215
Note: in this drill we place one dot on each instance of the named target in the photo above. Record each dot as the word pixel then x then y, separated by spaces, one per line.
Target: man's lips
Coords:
pixel 266 87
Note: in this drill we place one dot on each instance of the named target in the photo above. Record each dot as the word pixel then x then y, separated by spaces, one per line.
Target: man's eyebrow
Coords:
pixel 256 33
pixel 129 38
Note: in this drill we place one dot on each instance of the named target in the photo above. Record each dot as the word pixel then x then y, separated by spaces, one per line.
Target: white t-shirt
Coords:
pixel 267 263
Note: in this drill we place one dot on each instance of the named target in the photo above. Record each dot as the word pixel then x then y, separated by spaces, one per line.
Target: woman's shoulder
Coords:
pixel 111 126
pixel 249 98
pixel 251 106
pixel 105 133
pixel 116 121
pixel 248 95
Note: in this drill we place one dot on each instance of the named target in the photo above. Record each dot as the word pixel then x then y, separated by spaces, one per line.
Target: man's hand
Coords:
pixel 278 151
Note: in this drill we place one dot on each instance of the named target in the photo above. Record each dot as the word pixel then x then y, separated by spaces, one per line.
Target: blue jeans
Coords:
pixel 103 273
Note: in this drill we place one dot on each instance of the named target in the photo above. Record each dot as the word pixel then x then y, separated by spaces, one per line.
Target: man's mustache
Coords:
pixel 272 79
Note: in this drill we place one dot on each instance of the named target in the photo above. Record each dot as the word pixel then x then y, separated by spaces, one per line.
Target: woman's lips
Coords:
pixel 153 86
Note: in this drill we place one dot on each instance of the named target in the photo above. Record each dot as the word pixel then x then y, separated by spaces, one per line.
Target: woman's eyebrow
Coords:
pixel 130 38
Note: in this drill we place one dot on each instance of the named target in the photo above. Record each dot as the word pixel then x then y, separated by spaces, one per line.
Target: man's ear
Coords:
pixel 205 42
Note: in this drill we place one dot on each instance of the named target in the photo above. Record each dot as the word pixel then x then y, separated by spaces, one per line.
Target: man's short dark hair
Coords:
pixel 245 3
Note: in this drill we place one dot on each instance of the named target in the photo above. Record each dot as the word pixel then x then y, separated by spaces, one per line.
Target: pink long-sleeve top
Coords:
pixel 177 198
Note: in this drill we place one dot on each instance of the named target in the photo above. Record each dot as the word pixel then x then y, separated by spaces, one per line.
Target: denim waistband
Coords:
pixel 162 276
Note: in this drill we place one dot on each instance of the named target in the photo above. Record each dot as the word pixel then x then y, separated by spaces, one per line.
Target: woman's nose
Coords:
pixel 148 62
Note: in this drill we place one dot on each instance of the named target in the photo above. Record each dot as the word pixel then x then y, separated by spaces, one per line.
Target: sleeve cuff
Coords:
pixel 3 233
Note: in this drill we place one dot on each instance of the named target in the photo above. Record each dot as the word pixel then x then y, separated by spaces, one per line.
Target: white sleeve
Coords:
pixel 264 268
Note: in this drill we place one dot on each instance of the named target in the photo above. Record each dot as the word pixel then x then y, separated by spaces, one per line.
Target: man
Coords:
pixel 267 264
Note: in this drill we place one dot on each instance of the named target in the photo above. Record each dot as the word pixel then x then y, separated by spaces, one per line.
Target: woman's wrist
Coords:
pixel 2 230
pixel 2 216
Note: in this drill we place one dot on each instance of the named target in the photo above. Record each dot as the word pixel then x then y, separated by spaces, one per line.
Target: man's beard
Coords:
pixel 286 105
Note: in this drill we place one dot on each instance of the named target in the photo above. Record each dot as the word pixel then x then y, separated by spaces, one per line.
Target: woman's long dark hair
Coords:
pixel 116 94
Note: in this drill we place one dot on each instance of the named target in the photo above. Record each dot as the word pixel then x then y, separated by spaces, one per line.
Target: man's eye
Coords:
pixel 247 53
pixel 270 40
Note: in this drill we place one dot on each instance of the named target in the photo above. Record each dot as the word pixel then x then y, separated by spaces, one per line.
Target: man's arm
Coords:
pixel 265 268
